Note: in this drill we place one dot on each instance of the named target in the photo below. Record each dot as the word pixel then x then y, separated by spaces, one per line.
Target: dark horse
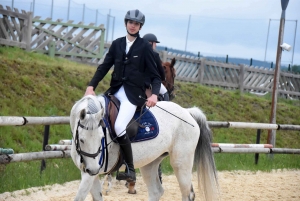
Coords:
pixel 170 73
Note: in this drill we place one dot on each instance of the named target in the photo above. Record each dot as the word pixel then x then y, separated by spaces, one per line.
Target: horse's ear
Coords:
pixel 82 114
pixel 173 62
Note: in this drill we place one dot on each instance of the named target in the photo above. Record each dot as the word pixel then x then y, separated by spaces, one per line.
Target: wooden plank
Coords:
pixel 42 43
pixel 185 79
pixel 13 14
pixel 270 72
pixel 58 53
pixel 201 70
pixel 12 43
pixel 233 75
pixel 217 75
pixel 16 25
pixel 66 37
pixel 8 25
pixel 290 75
pixel 294 93
pixel 79 25
pixel 36 29
pixel 28 30
pixel 3 29
pixel 217 83
pixel 296 83
pixel 68 41
pixel 1 32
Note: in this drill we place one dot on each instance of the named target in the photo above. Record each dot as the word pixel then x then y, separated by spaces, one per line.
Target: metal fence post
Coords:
pixel 256 157
pixel 45 142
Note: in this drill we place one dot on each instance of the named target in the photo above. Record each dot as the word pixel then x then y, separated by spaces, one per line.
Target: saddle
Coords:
pixel 113 110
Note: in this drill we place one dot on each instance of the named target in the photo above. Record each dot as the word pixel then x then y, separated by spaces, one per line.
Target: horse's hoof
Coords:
pixel 132 191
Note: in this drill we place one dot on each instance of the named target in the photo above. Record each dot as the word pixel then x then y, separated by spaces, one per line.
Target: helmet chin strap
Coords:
pixel 134 35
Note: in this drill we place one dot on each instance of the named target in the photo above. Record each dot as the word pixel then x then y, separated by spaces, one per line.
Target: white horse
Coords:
pixel 184 135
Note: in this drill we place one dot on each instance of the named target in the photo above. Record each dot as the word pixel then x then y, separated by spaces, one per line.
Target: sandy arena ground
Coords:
pixel 235 186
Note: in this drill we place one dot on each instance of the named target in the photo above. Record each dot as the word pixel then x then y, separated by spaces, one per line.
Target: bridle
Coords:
pixel 82 153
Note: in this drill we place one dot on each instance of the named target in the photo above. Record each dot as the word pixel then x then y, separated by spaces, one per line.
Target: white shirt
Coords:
pixel 128 44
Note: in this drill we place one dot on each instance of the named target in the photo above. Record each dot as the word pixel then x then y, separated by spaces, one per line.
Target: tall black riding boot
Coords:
pixel 129 174
pixel 166 96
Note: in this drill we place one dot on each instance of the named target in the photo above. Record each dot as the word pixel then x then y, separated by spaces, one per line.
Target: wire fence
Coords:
pixel 194 33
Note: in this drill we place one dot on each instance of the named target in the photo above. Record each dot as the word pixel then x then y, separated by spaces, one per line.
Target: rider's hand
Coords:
pixel 89 91
pixel 152 100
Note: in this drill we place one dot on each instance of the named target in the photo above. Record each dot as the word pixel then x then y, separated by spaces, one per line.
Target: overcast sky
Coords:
pixel 238 28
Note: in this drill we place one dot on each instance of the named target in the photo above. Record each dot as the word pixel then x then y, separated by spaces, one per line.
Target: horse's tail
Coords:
pixel 203 159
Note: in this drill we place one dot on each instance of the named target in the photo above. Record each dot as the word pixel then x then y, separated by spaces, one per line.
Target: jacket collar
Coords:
pixel 123 45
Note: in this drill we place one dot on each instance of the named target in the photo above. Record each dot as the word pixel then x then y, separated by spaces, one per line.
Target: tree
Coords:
pixel 296 68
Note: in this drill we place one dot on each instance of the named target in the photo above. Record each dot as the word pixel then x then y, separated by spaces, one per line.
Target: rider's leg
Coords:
pixel 166 96
pixel 126 113
pixel 164 92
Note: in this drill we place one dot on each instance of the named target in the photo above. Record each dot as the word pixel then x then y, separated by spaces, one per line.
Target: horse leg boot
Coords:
pixel 166 96
pixel 129 174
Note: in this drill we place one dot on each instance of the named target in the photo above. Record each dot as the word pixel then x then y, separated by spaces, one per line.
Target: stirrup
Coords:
pixel 129 176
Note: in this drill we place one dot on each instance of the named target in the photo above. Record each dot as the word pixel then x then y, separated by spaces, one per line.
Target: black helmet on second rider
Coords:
pixel 151 38
pixel 135 15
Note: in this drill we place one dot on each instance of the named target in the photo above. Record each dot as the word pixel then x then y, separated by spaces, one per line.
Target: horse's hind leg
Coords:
pixel 106 183
pixel 151 179
pixel 96 190
pixel 182 167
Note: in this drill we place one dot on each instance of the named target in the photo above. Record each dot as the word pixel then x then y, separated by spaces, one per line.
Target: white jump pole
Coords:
pixel 228 145
pixel 256 150
pixel 57 147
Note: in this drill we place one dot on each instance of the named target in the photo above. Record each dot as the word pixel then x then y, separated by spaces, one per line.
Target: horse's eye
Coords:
pixel 81 140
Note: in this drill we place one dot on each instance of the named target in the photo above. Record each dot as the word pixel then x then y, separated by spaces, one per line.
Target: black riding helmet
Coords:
pixel 135 15
pixel 151 38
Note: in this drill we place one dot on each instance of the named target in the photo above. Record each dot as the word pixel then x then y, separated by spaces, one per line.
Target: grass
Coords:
pixel 33 84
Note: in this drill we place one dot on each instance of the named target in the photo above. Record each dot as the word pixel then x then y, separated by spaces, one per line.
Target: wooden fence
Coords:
pixel 87 46
pixel 15 28
pixel 77 42
pixel 256 80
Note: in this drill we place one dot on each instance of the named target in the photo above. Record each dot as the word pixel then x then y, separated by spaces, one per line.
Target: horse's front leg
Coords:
pixel 85 186
pixel 96 190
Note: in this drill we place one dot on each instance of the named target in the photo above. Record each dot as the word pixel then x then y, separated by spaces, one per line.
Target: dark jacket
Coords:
pixel 160 70
pixel 130 69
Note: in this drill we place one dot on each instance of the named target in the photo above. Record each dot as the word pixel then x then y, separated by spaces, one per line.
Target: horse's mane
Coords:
pixel 91 105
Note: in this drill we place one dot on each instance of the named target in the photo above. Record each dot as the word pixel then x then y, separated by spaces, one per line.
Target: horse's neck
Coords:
pixel 113 154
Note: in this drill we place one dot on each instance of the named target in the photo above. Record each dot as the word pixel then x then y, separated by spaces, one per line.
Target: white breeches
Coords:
pixel 126 112
pixel 163 89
